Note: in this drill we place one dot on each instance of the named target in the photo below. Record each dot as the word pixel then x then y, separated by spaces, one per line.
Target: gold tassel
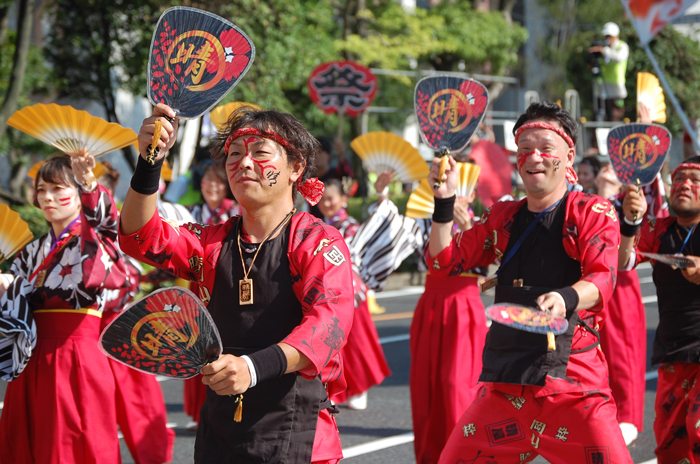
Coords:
pixel 551 344
pixel 239 410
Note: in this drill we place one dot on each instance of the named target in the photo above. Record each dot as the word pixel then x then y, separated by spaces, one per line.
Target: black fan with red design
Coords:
pixel 170 333
pixel 449 110
pixel 196 58
pixel 638 151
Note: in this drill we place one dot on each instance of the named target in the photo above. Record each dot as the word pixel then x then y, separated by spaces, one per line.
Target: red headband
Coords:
pixel 544 125
pixel 571 176
pixel 684 166
pixel 311 189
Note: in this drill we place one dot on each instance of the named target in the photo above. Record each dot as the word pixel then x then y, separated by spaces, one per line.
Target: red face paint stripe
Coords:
pixel 693 188
pixel 64 201
pixel 522 157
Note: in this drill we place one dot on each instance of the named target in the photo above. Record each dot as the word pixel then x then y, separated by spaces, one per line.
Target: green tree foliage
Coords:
pixel 37 82
pixel 291 39
pixel 451 36
pixel 678 57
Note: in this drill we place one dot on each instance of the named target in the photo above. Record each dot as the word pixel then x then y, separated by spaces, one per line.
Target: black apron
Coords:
pixel 677 337
pixel 519 357
pixel 279 415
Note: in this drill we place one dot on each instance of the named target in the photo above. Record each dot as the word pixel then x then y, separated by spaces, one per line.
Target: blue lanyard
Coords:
pixel 687 237
pixel 522 238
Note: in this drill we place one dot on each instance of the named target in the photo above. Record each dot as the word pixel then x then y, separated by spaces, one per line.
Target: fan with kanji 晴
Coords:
pixel 638 151
pixel 196 58
pixel 167 333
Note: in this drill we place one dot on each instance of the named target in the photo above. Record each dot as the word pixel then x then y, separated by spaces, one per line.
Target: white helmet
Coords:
pixel 611 29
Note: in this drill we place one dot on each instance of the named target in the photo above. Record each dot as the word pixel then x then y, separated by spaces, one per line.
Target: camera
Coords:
pixel 593 59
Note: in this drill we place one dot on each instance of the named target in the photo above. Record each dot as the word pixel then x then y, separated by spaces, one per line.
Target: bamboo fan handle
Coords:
pixel 153 149
pixel 444 161
pixel 634 218
pixel 551 343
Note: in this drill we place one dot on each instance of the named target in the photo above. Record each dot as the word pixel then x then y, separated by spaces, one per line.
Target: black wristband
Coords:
pixel 270 363
pixel 444 210
pixel 570 296
pixel 628 230
pixel 146 177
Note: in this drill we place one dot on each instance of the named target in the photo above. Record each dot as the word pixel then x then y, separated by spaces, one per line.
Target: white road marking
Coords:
pixel 376 445
pixel 649 299
pixel 392 339
pixel 162 378
pixel 650 461
pixel 415 290
pixel 651 375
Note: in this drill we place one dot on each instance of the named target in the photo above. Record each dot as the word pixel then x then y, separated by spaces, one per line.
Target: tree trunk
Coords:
pixel 4 19
pixel 19 63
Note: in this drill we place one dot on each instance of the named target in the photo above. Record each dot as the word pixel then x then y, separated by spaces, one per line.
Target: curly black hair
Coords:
pixel 549 111
pixel 304 146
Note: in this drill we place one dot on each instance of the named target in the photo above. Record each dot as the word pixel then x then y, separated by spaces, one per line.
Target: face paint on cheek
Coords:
pixel 272 176
pixel 522 158
pixel 556 163
pixel 65 202
pixel 693 188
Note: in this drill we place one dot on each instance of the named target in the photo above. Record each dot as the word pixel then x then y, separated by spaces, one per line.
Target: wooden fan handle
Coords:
pixel 153 148
pixel 634 218
pixel 444 161
pixel 551 343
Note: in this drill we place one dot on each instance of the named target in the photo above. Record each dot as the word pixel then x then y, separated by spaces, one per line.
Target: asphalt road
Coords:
pixel 383 432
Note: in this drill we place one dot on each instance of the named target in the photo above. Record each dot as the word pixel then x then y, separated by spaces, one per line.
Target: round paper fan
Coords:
pixel 421 202
pixel 71 130
pixel 219 115
pixel 14 232
pixel 196 58
pixel 527 319
pixel 169 332
pixel 650 93
pixel 384 151
pixel 638 151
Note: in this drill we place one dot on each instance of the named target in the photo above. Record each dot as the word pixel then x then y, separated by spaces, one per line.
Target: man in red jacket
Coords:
pixel 557 251
pixel 677 339
pixel 277 283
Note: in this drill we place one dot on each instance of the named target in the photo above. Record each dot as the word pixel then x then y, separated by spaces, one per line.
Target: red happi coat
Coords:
pixel 591 236
pixel 649 237
pixel 321 275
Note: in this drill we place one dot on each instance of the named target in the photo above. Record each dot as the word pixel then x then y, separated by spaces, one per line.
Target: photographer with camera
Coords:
pixel 612 71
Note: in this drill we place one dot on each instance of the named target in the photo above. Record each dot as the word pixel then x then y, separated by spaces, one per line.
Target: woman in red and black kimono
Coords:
pixel 363 357
pixel 60 405
pixel 278 285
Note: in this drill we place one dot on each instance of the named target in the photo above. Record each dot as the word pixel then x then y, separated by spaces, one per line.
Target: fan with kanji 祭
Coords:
pixel 14 232
pixel 384 151
pixel 71 131
pixel 170 333
pixel 421 202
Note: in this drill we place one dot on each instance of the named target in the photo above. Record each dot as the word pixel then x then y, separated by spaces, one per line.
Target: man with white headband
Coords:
pixel 557 251
pixel 677 340
pixel 277 283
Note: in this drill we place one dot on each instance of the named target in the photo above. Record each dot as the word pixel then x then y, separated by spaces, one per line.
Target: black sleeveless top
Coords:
pixel 279 415
pixel 519 357
pixel 678 334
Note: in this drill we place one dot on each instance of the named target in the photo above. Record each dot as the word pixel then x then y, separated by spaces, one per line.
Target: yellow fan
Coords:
pixel 219 115
pixel 421 203
pixel 71 130
pixel 100 170
pixel 650 93
pixel 14 232
pixel 384 151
